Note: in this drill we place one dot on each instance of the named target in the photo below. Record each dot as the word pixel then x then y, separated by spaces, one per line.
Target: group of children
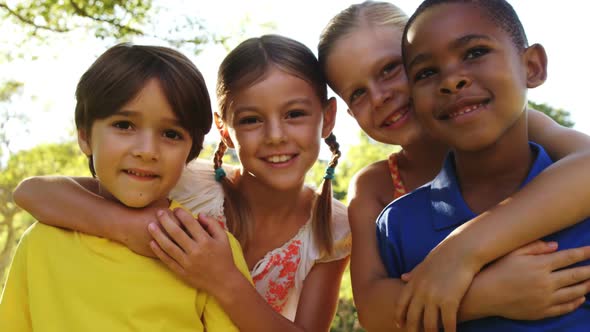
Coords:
pixel 264 251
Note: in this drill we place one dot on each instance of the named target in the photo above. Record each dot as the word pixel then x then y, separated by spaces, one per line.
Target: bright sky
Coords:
pixel 50 80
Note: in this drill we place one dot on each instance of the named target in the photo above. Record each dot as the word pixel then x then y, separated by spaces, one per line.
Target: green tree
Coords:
pixel 560 115
pixel 57 158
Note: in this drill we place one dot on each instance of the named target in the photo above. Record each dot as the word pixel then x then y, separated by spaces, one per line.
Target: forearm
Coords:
pixel 376 302
pixel 62 202
pixel 556 199
pixel 248 310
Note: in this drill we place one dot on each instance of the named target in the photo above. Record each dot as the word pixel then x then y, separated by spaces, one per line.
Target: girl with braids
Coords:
pixel 360 52
pixel 274 111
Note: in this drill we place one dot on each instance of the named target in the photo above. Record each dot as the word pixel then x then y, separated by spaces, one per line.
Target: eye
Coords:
pixel 389 69
pixel 356 94
pixel 476 52
pixel 424 74
pixel 248 120
pixel 173 134
pixel 123 125
pixel 295 114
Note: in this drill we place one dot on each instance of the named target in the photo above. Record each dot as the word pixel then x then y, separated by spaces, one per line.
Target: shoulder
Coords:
pixel 197 189
pixel 372 182
pixel 410 206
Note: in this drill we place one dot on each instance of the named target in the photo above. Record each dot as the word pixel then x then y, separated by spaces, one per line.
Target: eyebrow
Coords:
pixel 129 113
pixel 457 43
pixel 301 100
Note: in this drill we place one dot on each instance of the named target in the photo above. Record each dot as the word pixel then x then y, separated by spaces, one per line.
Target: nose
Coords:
pixel 146 147
pixel 380 94
pixel 454 83
pixel 275 132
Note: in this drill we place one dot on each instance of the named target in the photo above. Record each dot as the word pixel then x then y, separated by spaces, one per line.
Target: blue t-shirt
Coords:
pixel 411 226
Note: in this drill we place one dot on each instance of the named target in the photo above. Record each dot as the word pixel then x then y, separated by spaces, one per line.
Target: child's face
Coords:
pixel 276 126
pixel 468 79
pixel 366 70
pixel 139 151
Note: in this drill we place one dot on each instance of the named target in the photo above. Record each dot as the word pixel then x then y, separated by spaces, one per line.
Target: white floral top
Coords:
pixel 279 275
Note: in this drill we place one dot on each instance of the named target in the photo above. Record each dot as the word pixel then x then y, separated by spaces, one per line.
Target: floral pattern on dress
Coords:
pixel 279 272
pixel 398 184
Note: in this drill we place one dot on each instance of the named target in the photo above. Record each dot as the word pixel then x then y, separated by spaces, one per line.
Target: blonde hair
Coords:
pixel 368 13
pixel 244 66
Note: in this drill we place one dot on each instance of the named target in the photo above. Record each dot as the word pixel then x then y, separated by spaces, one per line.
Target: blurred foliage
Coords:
pixel 560 115
pixel 106 18
pixel 46 159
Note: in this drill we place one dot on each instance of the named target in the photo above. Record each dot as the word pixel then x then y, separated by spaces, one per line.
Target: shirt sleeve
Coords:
pixel 14 301
pixel 198 191
pixel 387 244
pixel 340 234
pixel 214 317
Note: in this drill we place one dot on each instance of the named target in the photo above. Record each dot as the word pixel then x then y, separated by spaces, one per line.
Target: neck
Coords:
pixel 491 174
pixel 420 162
pixel 270 204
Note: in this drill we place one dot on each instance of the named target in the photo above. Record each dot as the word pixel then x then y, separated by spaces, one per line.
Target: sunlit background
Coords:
pixel 50 70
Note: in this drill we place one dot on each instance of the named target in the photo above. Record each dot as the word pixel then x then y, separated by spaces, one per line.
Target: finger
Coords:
pixel 571 293
pixel 571 276
pixel 167 260
pixel 568 257
pixel 177 234
pixel 212 226
pixel 431 319
pixel 401 309
pixel 564 308
pixel 537 248
pixel 406 276
pixel 189 222
pixel 169 247
pixel 449 316
pixel 414 318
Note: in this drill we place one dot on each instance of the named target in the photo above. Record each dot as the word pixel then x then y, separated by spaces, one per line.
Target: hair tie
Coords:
pixel 329 173
pixel 219 174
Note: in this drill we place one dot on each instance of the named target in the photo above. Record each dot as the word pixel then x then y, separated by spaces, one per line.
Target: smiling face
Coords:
pixel 139 151
pixel 468 78
pixel 365 69
pixel 276 126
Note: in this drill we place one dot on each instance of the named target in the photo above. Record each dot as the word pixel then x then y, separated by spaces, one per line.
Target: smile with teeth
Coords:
pixel 464 110
pixel 281 158
pixel 140 174
pixel 395 117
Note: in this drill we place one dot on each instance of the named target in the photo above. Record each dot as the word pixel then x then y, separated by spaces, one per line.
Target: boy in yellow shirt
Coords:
pixel 141 114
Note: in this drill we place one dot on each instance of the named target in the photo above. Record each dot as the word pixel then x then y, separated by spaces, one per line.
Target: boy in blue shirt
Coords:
pixel 469 86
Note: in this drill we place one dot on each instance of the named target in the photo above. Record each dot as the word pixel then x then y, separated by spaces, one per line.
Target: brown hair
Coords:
pixel 244 66
pixel 369 13
pixel 120 73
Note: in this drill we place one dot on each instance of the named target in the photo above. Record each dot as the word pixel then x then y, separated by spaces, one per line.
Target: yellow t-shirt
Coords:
pixel 67 281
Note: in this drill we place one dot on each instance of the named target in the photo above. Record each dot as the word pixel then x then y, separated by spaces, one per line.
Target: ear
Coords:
pixel 84 142
pixel 222 128
pixel 329 117
pixel 536 64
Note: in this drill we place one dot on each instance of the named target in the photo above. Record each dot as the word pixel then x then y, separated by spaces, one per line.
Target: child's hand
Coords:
pixel 201 255
pixel 434 286
pixel 530 283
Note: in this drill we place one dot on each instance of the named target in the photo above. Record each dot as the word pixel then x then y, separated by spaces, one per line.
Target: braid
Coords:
pixel 235 206
pixel 218 157
pixel 335 148
pixel 322 214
